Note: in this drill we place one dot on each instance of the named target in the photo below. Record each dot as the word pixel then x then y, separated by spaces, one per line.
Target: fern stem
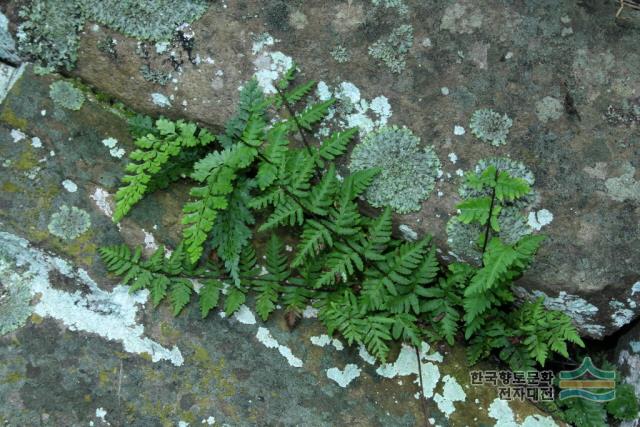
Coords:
pixel 488 228
pixel 295 119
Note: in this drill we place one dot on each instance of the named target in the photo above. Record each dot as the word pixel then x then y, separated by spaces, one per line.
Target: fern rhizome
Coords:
pixel 368 286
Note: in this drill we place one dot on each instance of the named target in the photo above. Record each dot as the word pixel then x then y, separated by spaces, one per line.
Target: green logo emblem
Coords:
pixel 588 382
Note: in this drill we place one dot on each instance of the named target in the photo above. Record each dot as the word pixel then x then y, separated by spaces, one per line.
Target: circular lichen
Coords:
pixel 69 223
pixel 489 126
pixel 408 172
pixel 66 95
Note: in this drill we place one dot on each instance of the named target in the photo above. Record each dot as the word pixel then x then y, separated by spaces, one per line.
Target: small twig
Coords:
pixel 488 229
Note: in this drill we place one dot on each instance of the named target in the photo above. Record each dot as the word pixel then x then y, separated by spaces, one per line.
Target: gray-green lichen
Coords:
pixel 392 50
pixel 145 19
pixel 49 32
pixel 340 54
pixel 489 126
pixel 15 298
pixel 69 223
pixel 66 95
pixel 399 5
pixel 408 172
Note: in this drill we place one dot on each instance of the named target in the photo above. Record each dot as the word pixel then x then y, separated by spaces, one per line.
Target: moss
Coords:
pixel 9 117
pixel 491 127
pixel 392 49
pixel 69 223
pixel 9 187
pixel 66 95
pixel 407 174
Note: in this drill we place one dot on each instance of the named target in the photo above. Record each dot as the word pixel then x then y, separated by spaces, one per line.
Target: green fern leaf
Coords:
pixel 475 210
pixel 180 295
pixel 315 113
pixel 315 237
pixel 233 300
pixel 510 188
pixel 337 143
pixel 209 296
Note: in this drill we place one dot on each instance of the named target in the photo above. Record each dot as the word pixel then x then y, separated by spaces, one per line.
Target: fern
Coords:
pixel 369 286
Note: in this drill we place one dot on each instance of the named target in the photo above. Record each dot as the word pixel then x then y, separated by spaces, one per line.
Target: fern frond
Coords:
pixel 475 210
pixel 510 188
pixel 315 237
pixel 314 114
pixel 209 296
pixel 336 144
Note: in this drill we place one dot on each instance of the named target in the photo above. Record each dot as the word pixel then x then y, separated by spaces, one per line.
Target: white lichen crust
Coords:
pixel 408 172
pixel 69 223
pixel 66 95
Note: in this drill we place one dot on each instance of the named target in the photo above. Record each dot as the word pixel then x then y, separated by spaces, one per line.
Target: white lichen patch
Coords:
pixel 407 364
pixel 111 315
pixel 635 288
pixel 102 199
pixel 101 414
pixel 269 68
pixel 458 130
pixel 451 392
pixel 539 219
pixel 345 376
pixel 112 145
pixel 352 110
pixel 310 312
pixel 453 158
pixel 260 41
pixel 160 100
pixel 324 340
pixel 149 241
pixel 264 336
pixel 365 355
pixel 36 142
pixel 70 186
pixel 504 416
pixel 209 421
pixel 17 135
pixel 245 316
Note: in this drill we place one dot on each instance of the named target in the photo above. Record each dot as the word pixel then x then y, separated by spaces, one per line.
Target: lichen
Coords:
pixel 145 19
pixel 50 29
pixel 392 49
pixel 340 54
pixel 15 298
pixel 549 108
pixel 408 173
pixel 66 95
pixel 49 32
pixel 7 44
pixel 399 5
pixel 69 223
pixel 489 126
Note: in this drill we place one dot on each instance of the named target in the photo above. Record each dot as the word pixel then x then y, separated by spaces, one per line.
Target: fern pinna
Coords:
pixel 368 286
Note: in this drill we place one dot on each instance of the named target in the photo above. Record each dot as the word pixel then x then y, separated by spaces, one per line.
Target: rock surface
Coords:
pixel 91 354
pixel 566 73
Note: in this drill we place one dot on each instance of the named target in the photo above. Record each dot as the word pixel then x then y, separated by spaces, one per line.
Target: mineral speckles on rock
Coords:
pixel 345 376
pixel 111 315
